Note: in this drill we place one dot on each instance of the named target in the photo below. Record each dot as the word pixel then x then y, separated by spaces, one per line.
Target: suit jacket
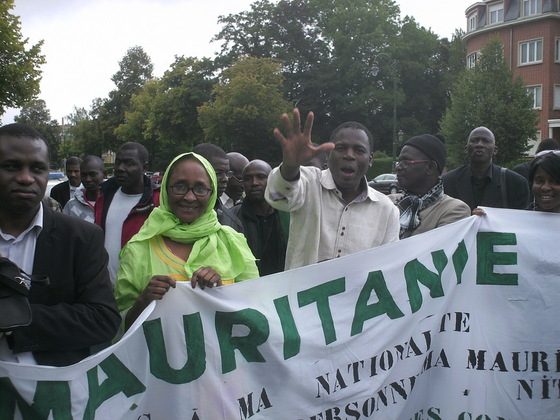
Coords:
pixel 227 218
pixel 77 309
pixel 457 184
pixel 61 193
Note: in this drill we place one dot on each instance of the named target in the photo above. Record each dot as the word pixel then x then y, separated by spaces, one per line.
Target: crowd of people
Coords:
pixel 111 246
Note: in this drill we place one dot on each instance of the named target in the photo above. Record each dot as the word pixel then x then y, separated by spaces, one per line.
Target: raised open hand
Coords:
pixel 297 148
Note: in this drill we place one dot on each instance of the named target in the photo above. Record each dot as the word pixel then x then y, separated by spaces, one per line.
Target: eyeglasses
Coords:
pixel 546 152
pixel 182 189
pixel 228 174
pixel 407 162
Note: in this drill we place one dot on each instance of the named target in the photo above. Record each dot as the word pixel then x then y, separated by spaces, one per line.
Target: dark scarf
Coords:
pixel 411 205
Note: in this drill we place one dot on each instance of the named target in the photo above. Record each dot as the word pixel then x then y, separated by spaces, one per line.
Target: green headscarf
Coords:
pixel 215 245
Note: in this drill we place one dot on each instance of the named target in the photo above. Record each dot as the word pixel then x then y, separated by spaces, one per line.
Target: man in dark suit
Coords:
pixel 480 182
pixel 66 190
pixel 77 309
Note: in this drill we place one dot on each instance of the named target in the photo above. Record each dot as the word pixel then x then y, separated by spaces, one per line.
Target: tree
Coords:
pixel 186 86
pixel 134 70
pixel 83 135
pixel 164 113
pixel 489 95
pixel 245 108
pixel 36 114
pixel 20 72
pixel 327 49
pixel 137 126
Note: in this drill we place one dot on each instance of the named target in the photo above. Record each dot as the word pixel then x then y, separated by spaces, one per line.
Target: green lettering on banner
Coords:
pixel 195 365
pixel 320 294
pixel 385 305
pixel 119 379
pixel 247 345
pixel 487 258
pixel 415 272
pixel 460 258
pixel 50 397
pixel 292 339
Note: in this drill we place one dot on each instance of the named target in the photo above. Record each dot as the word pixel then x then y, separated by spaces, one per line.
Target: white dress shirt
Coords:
pixel 322 225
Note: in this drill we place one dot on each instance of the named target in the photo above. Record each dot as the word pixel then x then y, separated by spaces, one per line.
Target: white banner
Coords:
pixel 458 323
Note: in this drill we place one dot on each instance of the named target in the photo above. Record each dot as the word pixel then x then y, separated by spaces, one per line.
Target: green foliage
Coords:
pixel 84 133
pixel 137 127
pixel 135 69
pixel 489 95
pixel 36 114
pixel 381 165
pixel 20 74
pixel 163 114
pixel 327 49
pixel 314 54
pixel 245 109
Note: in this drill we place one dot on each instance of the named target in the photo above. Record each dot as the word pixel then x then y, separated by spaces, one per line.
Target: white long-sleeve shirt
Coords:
pixel 322 225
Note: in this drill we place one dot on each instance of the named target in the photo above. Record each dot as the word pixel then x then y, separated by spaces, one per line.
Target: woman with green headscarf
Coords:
pixel 181 240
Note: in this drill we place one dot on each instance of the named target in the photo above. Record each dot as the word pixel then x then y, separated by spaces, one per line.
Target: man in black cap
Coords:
pixel 423 206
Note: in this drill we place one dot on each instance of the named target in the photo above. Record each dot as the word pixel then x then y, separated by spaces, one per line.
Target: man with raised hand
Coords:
pixel 333 212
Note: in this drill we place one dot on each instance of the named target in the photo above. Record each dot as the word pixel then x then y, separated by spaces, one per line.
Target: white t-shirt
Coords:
pixel 118 211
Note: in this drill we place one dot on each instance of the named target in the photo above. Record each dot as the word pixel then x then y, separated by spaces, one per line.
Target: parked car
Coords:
pixel 55 178
pixel 385 183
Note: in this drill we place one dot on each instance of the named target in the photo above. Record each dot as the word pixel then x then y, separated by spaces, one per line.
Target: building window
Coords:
pixel 530 52
pixel 556 104
pixel 496 13
pixel 471 60
pixel 532 7
pixel 536 93
pixel 472 22
pixel 557 49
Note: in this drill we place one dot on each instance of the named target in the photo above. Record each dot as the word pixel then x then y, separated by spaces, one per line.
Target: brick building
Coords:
pixel 530 33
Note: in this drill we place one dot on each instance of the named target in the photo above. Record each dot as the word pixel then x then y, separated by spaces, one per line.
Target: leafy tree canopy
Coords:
pixel 83 134
pixel 163 115
pixel 20 72
pixel 134 70
pixel 36 114
pixel 327 49
pixel 245 108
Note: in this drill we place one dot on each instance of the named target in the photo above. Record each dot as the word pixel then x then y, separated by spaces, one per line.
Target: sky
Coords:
pixel 84 40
